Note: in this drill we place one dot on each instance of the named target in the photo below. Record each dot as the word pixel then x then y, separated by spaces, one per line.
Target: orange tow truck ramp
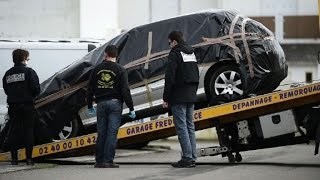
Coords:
pixel 203 118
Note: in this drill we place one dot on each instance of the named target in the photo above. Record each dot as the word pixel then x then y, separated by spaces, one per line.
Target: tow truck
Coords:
pixel 280 118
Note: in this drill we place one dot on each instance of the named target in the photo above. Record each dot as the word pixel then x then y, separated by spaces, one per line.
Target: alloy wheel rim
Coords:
pixel 228 82
pixel 65 132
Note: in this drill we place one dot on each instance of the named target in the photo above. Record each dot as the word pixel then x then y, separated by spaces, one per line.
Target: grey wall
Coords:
pixel 132 13
pixel 135 13
pixel 39 18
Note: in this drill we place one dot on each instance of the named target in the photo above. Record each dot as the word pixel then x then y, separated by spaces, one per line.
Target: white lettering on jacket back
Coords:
pixel 188 57
pixel 15 78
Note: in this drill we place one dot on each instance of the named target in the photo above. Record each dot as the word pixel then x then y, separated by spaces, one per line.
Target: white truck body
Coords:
pixel 46 58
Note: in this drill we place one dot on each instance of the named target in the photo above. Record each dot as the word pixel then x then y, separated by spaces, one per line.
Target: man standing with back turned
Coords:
pixel 21 84
pixel 109 84
pixel 181 84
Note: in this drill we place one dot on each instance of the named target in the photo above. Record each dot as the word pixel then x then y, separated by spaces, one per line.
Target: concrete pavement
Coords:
pixel 288 162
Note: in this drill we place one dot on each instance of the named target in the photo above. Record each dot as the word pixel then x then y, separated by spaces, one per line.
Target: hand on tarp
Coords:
pixel 132 114
pixel 92 111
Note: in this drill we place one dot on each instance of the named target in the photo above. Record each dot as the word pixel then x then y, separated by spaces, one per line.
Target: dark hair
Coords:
pixel 111 51
pixel 177 36
pixel 19 55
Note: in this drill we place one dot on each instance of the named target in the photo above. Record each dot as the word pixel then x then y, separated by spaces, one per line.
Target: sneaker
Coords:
pixel 182 164
pixel 99 165
pixel 111 165
pixel 29 162
pixel 193 164
pixel 14 162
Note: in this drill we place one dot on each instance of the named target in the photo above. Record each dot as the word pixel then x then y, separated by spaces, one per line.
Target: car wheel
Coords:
pixel 69 130
pixel 225 85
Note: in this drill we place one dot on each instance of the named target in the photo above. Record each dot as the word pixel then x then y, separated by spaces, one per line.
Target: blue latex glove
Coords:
pixel 132 114
pixel 92 111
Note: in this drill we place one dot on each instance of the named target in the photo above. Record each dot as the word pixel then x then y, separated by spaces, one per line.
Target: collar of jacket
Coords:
pixel 20 64
pixel 178 46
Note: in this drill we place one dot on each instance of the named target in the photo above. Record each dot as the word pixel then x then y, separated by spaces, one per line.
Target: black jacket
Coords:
pixel 109 80
pixel 182 75
pixel 21 84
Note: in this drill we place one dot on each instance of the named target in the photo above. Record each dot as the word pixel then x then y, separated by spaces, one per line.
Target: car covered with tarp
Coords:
pixel 236 56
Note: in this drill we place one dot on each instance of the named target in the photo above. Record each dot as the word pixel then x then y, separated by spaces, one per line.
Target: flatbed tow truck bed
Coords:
pixel 214 116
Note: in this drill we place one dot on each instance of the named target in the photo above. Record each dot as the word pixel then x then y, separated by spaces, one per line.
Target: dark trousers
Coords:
pixel 183 123
pixel 109 114
pixel 21 134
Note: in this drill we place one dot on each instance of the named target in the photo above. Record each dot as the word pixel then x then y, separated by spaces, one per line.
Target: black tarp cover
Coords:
pixel 67 87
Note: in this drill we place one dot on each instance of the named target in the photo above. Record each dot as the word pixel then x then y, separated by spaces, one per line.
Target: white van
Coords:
pixel 46 57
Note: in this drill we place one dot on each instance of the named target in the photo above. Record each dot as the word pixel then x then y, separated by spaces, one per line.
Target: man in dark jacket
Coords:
pixel 21 84
pixel 109 84
pixel 181 84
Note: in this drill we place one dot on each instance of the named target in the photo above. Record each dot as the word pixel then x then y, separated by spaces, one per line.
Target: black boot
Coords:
pixel 14 162
pixel 183 164
pixel 14 157
pixel 29 162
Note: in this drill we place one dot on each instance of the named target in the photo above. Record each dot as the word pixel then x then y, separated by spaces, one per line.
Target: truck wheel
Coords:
pixel 238 157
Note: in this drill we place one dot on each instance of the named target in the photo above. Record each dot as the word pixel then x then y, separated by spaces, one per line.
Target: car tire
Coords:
pixel 225 85
pixel 70 130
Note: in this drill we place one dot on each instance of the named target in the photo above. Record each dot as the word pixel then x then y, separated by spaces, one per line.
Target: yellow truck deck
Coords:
pixel 203 118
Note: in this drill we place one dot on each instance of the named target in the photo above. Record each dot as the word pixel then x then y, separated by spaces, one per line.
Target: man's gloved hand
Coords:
pixel 92 111
pixel 132 114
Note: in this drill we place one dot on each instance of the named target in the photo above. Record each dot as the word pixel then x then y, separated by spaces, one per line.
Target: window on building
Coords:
pixel 268 21
pixel 301 27
pixel 309 77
